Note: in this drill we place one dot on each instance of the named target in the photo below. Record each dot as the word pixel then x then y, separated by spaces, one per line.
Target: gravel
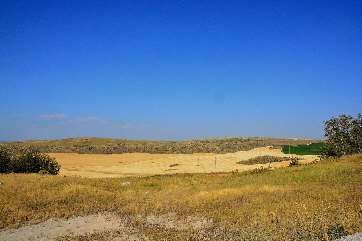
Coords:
pixel 353 237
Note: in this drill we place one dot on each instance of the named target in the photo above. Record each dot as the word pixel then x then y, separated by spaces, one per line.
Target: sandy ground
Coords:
pixel 62 229
pixel 53 228
pixel 142 164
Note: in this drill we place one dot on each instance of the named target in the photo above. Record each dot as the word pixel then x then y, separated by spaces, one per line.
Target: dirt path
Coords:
pixel 109 226
pixel 54 229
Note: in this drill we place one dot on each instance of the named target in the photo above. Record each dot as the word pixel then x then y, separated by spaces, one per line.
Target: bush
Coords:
pixel 30 161
pixel 4 161
pixel 294 162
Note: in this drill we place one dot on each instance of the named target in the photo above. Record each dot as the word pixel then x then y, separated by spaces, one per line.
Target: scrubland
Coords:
pixel 316 201
pixel 93 145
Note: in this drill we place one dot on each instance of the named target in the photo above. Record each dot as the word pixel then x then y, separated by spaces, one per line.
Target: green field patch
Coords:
pixel 311 149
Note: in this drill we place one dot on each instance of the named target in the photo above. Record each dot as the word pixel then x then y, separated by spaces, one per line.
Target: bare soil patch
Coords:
pixel 108 226
pixel 53 228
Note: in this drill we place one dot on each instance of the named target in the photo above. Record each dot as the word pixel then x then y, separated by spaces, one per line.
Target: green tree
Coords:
pixel 344 136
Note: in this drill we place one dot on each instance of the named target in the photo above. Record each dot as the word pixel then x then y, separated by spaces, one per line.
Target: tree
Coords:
pixel 344 136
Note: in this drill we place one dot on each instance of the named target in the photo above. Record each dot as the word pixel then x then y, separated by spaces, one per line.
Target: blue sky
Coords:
pixel 177 70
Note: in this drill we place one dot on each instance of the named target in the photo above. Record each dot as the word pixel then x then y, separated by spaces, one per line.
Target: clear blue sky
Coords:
pixel 177 70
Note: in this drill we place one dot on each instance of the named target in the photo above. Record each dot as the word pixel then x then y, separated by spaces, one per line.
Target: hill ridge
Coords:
pixel 96 145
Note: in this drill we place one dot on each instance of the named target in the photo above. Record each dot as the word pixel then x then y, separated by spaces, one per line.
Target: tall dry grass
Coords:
pixel 295 203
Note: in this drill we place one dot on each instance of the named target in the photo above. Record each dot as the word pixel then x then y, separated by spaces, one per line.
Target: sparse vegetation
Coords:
pixel 4 161
pixel 267 159
pixel 92 145
pixel 318 201
pixel 294 162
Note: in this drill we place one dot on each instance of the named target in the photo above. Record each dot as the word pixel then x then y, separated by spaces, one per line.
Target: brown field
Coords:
pixel 144 164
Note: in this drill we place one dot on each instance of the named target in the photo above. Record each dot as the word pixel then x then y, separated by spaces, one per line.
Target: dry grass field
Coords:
pixel 144 164
pixel 318 201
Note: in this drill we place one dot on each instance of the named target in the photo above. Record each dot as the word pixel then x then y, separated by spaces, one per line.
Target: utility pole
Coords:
pixel 215 162
pixel 259 142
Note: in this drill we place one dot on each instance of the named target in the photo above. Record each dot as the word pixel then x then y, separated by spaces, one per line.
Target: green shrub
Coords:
pixel 30 161
pixel 4 161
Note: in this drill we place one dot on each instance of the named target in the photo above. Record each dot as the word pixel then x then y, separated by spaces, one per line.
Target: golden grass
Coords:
pixel 143 164
pixel 296 203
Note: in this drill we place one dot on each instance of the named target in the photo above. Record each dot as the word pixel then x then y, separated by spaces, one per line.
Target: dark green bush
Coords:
pixel 30 161
pixel 4 161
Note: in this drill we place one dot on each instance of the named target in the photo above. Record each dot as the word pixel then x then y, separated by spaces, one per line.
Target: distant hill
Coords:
pixel 94 145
